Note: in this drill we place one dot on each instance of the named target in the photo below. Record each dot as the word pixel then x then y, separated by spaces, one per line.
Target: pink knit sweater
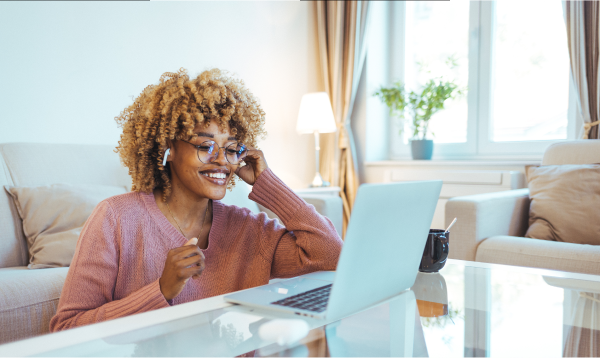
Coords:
pixel 121 253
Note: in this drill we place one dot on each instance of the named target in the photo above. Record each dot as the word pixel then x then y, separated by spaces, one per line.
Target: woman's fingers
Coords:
pixel 190 261
pixel 253 153
pixel 194 271
pixel 192 241
pixel 255 165
pixel 181 264
pixel 185 252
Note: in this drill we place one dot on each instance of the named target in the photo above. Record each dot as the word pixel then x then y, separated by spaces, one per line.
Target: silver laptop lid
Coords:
pixel 384 244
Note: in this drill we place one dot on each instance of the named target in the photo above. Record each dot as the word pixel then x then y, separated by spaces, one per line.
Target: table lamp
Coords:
pixel 316 116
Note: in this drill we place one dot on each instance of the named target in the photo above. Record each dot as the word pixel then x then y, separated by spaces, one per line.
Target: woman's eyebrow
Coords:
pixel 203 134
pixel 210 135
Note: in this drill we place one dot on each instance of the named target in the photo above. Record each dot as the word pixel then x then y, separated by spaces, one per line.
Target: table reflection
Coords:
pixel 431 294
pixel 584 329
pixel 581 316
pixel 390 329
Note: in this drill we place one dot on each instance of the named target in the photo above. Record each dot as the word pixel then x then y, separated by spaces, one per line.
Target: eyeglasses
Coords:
pixel 208 152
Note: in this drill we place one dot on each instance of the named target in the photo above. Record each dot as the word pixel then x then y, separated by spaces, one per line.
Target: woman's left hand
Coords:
pixel 255 165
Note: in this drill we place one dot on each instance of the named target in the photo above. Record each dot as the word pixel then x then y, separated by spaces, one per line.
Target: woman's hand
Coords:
pixel 255 164
pixel 182 263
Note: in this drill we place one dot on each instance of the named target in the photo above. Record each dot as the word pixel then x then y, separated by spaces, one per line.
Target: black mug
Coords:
pixel 436 251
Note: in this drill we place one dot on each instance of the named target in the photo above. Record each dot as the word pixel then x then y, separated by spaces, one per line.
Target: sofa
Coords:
pixel 28 298
pixel 490 227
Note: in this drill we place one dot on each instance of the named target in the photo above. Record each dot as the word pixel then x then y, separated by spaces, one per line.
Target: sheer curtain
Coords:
pixel 341 28
pixel 582 20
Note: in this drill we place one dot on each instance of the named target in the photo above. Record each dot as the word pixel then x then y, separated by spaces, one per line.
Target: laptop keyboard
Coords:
pixel 313 300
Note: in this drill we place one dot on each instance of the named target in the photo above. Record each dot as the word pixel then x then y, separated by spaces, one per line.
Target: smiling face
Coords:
pixel 193 177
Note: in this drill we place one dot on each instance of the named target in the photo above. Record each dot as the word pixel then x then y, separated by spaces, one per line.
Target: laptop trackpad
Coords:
pixel 292 287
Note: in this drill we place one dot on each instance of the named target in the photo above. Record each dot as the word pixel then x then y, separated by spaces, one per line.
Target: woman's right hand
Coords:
pixel 182 263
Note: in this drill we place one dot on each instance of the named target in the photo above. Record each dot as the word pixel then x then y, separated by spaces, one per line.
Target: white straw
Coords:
pixel 452 223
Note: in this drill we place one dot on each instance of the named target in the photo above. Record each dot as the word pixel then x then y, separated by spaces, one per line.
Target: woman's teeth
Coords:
pixel 215 175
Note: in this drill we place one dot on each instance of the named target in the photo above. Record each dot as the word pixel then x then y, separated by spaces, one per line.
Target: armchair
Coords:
pixel 490 227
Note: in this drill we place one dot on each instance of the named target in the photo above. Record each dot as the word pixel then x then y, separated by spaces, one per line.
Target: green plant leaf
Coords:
pixel 421 105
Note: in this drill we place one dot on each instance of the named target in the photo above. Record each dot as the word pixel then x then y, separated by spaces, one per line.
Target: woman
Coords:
pixel 171 240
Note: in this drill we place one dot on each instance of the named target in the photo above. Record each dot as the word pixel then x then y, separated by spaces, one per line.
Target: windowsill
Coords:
pixel 455 162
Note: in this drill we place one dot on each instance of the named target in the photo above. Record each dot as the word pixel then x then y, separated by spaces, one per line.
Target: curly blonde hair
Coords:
pixel 171 110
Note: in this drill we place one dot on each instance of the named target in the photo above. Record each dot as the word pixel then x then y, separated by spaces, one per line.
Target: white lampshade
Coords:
pixel 315 114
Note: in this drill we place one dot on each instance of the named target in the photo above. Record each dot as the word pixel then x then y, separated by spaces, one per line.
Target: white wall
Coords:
pixel 67 69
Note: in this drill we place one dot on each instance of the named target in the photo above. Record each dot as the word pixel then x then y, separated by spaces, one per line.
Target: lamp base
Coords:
pixel 318 182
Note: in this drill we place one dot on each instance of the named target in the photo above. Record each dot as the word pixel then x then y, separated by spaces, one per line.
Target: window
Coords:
pixel 530 69
pixel 431 53
pixel 512 58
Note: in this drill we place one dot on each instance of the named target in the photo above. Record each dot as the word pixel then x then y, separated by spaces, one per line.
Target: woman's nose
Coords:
pixel 220 159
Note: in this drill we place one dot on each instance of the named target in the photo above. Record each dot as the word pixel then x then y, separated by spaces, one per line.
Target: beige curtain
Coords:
pixel 341 29
pixel 582 20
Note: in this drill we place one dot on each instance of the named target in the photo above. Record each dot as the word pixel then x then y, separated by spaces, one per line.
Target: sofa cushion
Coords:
pixel 522 251
pixel 28 300
pixel 565 203
pixel 53 216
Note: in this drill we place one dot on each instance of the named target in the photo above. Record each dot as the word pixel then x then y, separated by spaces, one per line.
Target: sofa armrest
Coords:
pixel 327 205
pixel 485 215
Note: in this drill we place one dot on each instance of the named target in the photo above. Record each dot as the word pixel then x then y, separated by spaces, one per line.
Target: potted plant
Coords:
pixel 422 106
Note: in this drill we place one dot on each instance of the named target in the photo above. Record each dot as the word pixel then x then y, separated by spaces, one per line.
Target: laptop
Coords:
pixel 380 257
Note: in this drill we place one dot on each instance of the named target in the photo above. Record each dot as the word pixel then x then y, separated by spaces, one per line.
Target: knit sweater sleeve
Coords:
pixel 307 243
pixel 87 295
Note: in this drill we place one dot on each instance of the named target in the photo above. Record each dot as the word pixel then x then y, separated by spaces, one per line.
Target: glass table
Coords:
pixel 467 309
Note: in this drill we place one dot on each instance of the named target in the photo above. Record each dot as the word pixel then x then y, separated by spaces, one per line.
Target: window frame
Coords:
pixel 479 98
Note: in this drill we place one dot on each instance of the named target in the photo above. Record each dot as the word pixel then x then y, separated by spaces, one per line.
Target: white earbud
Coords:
pixel 166 155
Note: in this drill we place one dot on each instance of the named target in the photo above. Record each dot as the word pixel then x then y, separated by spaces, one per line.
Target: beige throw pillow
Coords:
pixel 53 216
pixel 565 203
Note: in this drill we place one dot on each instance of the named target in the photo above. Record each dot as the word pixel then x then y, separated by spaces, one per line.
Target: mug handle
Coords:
pixel 445 252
